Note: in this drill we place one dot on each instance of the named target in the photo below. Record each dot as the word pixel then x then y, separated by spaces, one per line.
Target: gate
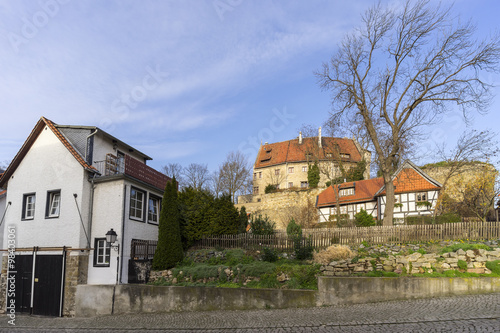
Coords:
pixel 40 293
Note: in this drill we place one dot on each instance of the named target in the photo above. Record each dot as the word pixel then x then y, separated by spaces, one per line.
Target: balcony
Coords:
pixel 126 165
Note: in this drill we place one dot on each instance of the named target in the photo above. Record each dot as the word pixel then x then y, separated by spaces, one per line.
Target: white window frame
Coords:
pixel 53 204
pixel 134 208
pixel 418 196
pixel 304 184
pixel 290 169
pixel 304 168
pixel 29 204
pixel 102 253
pixel 156 211
pixel 346 192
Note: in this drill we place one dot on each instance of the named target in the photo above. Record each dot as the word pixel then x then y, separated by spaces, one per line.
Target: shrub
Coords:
pixel 334 252
pixel 262 226
pixel 293 229
pixel 363 219
pixel 328 183
pixel 494 267
pixel 313 175
pixel 462 264
pixel 270 188
pixel 270 255
pixel 303 248
pixel 465 247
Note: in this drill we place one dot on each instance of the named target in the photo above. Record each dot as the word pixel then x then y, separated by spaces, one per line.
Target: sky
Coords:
pixel 187 81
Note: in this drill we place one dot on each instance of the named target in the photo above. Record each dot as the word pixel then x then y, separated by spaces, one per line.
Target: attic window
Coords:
pixel 266 158
pixel 329 155
pixel 342 155
pixel 346 191
pixel 268 151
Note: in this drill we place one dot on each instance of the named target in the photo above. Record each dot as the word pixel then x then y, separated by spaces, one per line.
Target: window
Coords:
pixel 255 190
pixel 304 168
pixel 290 184
pixel 53 204
pixel 276 172
pixel 136 204
pixel 346 191
pixel 153 209
pixel 290 169
pixel 260 174
pixel 102 252
pixel 29 206
pixel 254 175
pixel 329 155
pixel 342 155
pixel 304 184
pixel 396 198
pixel 422 196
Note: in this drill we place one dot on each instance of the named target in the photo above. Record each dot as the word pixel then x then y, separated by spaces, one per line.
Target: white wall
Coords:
pixel 111 210
pixel 48 165
pixel 104 145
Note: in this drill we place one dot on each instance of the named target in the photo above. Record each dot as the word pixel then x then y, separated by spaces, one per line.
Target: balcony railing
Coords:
pixel 129 166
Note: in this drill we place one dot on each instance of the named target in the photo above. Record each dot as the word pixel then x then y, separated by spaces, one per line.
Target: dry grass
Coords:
pixel 332 253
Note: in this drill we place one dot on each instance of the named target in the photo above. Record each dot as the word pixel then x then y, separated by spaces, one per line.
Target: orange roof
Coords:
pixel 409 180
pixel 3 192
pixel 40 125
pixel 364 190
pixel 292 151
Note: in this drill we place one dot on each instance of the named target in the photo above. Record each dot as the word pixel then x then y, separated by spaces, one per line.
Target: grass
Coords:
pixel 465 247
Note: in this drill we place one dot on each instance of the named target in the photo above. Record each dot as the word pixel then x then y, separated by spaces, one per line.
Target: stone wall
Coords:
pixel 76 274
pixel 280 207
pixel 415 263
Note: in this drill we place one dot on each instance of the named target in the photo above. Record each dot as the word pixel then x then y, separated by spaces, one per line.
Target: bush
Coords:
pixel 363 219
pixel 262 226
pixel 303 248
pixel 334 252
pixel 270 255
pixel 270 188
pixel 293 228
pixel 313 175
pixel 462 264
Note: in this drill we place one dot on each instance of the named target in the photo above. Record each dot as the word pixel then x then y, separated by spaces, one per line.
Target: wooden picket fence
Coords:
pixel 322 238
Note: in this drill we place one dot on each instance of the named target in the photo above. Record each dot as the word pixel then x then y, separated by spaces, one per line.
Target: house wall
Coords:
pixel 350 209
pixel 3 203
pixel 48 165
pixel 104 145
pixel 410 208
pixel 111 210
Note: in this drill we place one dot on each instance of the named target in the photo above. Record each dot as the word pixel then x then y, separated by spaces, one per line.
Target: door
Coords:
pixel 47 291
pixel 21 291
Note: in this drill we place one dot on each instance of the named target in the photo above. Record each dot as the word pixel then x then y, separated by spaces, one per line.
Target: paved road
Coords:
pixel 479 313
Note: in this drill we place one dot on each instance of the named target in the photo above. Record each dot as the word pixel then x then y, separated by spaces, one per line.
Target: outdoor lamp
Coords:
pixel 111 236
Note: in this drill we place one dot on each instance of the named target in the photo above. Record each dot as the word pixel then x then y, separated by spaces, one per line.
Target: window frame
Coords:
pixel 345 192
pixel 106 252
pixel 24 215
pixel 291 169
pixel 255 190
pixel 135 208
pixel 48 205
pixel 304 184
pixel 418 196
pixel 304 168
pixel 290 184
pixel 158 208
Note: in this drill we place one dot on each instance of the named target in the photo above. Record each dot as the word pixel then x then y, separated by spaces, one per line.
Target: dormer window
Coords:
pixel 346 192
pixel 343 155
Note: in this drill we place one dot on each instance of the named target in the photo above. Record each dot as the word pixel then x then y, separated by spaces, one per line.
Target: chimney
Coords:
pixel 319 137
pixel 300 138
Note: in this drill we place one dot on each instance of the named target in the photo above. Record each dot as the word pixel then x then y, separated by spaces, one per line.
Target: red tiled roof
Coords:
pixel 3 192
pixel 364 190
pixel 409 180
pixel 292 151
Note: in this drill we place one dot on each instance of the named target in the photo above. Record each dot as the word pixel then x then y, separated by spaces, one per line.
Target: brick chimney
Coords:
pixel 300 138
pixel 319 137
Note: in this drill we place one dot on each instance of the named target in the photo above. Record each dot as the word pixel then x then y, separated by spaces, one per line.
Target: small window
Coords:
pixel 53 204
pixel 329 155
pixel 304 168
pixel 304 184
pixel 102 252
pixel 276 172
pixel 290 184
pixel 346 191
pixel 290 169
pixel 29 206
pixel 254 175
pixel 255 190
pixel 153 209
pixel 422 196
pixel 342 155
pixel 136 204
pixel 260 175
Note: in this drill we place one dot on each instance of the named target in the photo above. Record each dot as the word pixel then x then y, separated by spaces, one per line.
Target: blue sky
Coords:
pixel 185 81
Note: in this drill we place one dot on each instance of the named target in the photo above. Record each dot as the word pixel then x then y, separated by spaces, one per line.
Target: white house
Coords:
pixel 68 187
pixel 415 194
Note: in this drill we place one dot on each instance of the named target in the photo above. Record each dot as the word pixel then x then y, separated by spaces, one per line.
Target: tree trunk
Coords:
pixel 389 201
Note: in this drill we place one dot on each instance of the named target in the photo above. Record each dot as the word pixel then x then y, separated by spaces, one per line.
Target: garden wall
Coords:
pixel 99 300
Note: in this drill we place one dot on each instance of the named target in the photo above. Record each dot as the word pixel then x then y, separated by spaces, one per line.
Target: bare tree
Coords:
pixel 275 177
pixel 235 174
pixel 217 182
pixel 174 170
pixel 472 146
pixel 196 176
pixel 400 71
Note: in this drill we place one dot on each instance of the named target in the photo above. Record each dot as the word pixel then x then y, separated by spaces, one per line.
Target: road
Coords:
pixel 477 313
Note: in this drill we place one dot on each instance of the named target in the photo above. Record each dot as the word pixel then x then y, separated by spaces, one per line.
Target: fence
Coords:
pixel 142 249
pixel 322 238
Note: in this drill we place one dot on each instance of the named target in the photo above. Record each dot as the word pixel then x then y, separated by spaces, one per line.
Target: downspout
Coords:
pixel 91 209
pixel 123 232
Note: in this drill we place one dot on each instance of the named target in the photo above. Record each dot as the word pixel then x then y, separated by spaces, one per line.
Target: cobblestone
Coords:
pixel 478 313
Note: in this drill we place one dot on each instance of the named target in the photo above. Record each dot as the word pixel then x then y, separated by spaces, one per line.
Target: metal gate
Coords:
pixel 40 293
